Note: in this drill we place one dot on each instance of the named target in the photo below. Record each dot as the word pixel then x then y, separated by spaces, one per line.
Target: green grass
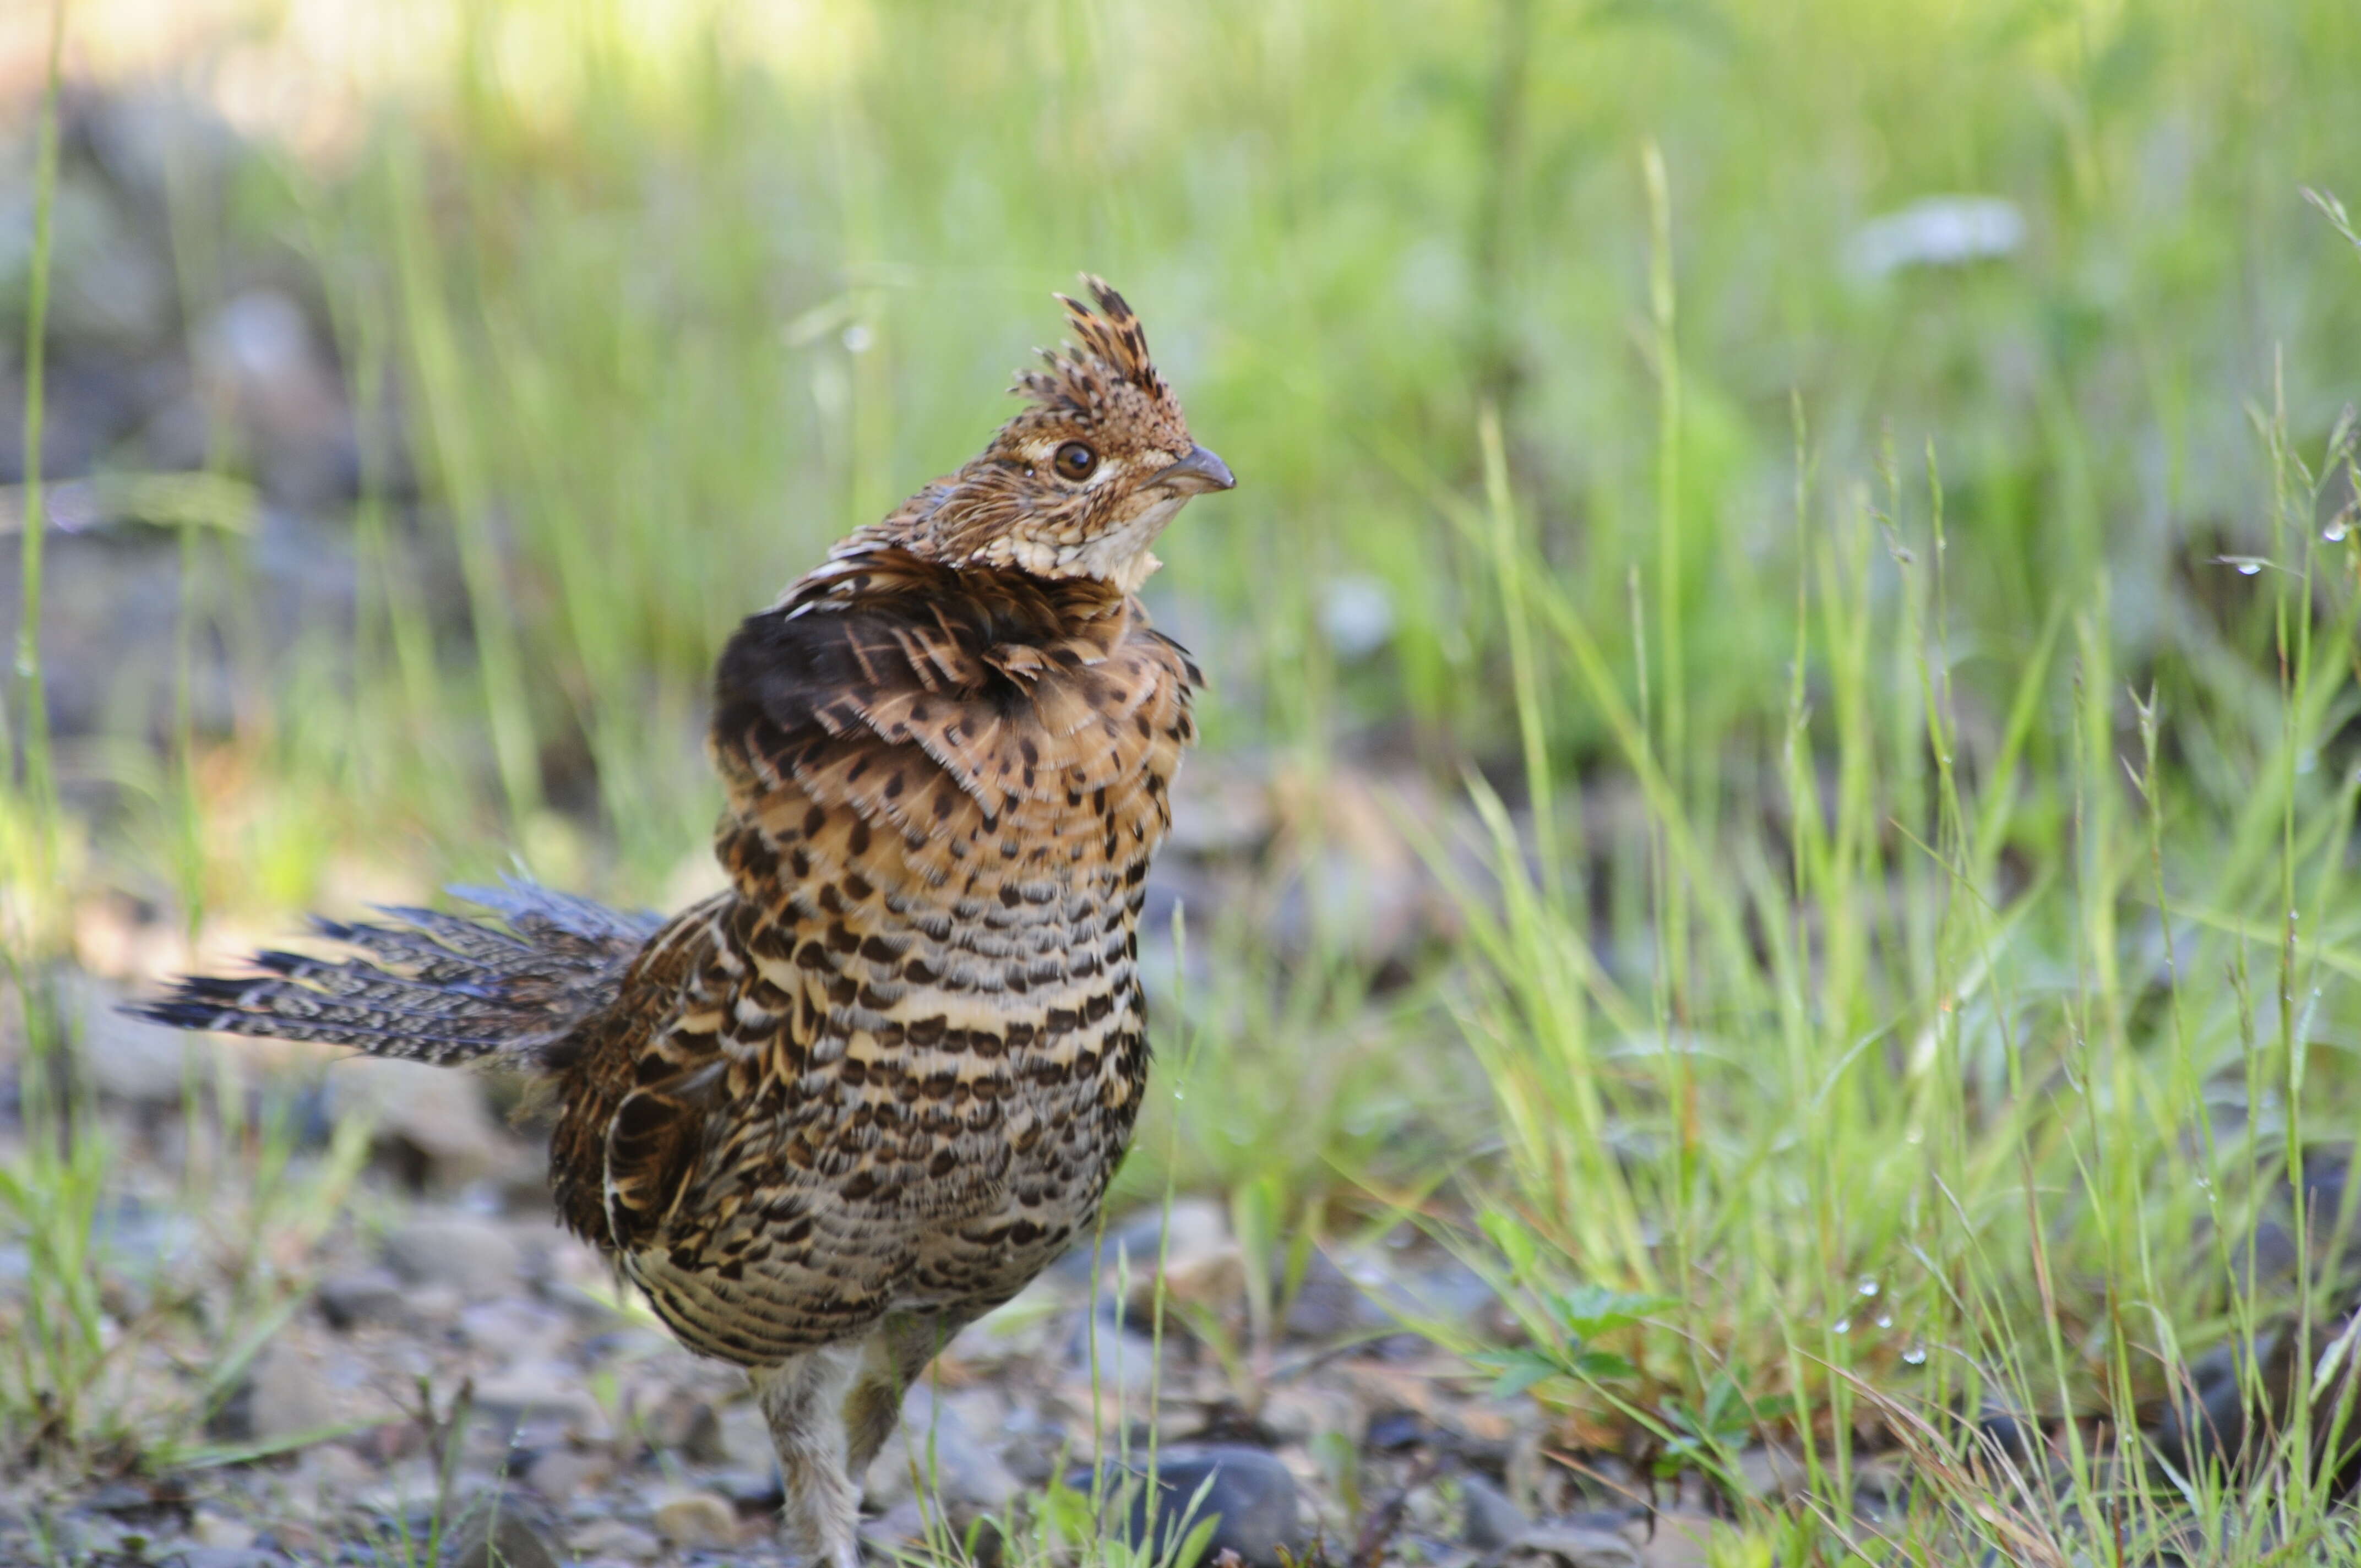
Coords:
pixel 1888 1128
pixel 1918 862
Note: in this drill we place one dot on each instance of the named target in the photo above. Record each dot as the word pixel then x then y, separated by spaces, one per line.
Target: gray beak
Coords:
pixel 1198 472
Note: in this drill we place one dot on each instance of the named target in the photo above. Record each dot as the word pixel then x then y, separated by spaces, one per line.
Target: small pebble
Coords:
pixel 1774 1472
pixel 1493 1521
pixel 538 1391
pixel 219 1529
pixel 562 1472
pixel 364 1295
pixel 696 1519
pixel 1567 1546
pixel 1391 1432
pixel 936 1444
pixel 501 1539
pixel 478 1258
pixel 224 1557
pixel 613 1537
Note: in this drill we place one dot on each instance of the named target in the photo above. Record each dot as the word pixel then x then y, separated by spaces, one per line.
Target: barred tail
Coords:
pixel 433 987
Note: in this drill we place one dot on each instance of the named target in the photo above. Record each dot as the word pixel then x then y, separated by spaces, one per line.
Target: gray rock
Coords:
pixel 514 1326
pixel 110 598
pixel 703 1441
pixel 1492 1519
pixel 1774 1472
pixel 477 1258
pixel 746 1437
pixel 1125 1357
pixel 283 1395
pixel 1250 1495
pixel 261 354
pixel 1298 1413
pixel 563 1473
pixel 1681 1539
pixel 1202 1265
pixel 429 1117
pixel 1032 1446
pixel 370 1296
pixel 1373 1289
pixel 500 1538
pixel 1196 1224
pixel 1221 806
pixel 537 1391
pixel 1331 1303
pixel 613 1537
pixel 158 139
pixel 1395 1430
pixel 131 1060
pixel 112 291
pixel 1567 1546
pixel 948 1457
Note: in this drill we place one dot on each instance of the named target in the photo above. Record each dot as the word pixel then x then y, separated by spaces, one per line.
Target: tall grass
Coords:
pixel 1979 1082
pixel 1920 863
pixel 672 302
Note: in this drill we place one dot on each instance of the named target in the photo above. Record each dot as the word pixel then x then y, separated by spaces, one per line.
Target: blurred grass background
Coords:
pixel 670 297
pixel 1786 571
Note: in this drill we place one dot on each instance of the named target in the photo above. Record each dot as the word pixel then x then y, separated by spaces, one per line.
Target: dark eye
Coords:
pixel 1074 461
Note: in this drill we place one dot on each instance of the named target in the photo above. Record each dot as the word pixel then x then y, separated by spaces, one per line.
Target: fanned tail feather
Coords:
pixel 432 987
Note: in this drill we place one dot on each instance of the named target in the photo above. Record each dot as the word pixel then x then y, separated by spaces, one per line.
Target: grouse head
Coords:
pixel 1082 480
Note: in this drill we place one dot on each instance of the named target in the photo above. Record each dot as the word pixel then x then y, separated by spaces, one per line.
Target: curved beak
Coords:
pixel 1198 472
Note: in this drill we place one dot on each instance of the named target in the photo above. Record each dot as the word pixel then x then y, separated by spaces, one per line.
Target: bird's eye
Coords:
pixel 1075 461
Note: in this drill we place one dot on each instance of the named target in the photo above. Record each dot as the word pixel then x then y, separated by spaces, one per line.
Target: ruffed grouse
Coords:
pixel 829 1115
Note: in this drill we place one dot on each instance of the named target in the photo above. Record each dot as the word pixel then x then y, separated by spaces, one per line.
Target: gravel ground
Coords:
pixel 434 1349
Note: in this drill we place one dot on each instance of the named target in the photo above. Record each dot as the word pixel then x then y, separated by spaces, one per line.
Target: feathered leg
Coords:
pixel 890 1360
pixel 804 1401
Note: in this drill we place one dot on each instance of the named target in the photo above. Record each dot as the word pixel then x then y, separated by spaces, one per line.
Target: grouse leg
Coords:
pixel 803 1399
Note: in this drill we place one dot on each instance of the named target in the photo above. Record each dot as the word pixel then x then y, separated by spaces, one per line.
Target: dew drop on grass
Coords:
pixel 2248 568
pixel 2335 533
pixel 1884 1320
pixel 1915 1356
pixel 1841 1326
pixel 1869 1287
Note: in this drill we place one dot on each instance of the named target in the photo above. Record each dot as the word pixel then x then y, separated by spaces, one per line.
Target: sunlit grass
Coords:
pixel 660 343
pixel 1896 807
pixel 1913 1133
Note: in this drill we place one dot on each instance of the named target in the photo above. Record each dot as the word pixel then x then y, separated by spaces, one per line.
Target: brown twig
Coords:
pixel 1385 1521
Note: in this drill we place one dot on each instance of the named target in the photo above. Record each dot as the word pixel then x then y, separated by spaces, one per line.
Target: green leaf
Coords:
pixel 1603 1364
pixel 1515 1242
pixel 1589 1311
pixel 1516 1371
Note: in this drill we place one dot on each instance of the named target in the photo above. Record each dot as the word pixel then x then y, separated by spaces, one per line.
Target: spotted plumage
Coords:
pixel 869 1090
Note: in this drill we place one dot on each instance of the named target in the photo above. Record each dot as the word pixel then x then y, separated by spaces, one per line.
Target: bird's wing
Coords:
pixel 931 702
